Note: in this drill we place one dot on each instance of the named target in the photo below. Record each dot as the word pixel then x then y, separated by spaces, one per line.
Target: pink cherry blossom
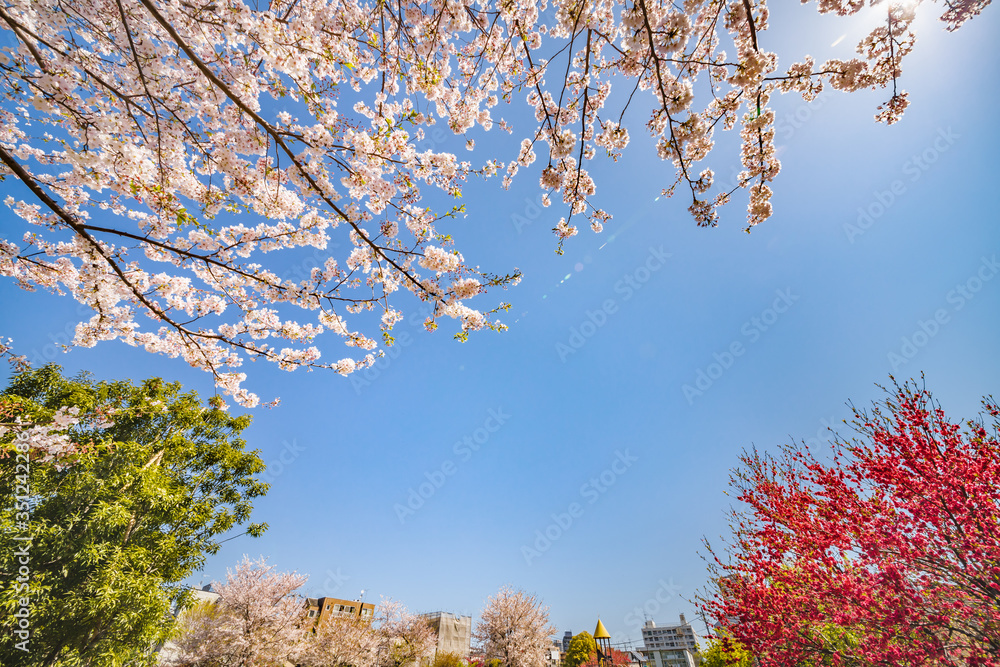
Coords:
pixel 179 157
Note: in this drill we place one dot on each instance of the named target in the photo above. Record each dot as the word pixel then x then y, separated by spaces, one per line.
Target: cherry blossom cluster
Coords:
pixel 17 362
pixel 57 436
pixel 165 146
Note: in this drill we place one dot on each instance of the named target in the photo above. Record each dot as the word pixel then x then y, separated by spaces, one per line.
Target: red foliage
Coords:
pixel 888 555
pixel 618 659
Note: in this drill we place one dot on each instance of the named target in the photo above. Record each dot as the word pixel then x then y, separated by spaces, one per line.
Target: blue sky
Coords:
pixel 576 422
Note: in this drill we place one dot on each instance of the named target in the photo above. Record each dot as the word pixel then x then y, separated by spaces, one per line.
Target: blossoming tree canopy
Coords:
pixel 514 628
pixel 258 619
pixel 164 150
pixel 888 553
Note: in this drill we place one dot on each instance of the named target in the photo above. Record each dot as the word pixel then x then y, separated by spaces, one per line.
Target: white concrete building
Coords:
pixel 553 654
pixel 670 645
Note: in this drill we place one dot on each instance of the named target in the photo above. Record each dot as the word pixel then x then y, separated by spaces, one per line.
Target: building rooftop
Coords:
pixel 439 614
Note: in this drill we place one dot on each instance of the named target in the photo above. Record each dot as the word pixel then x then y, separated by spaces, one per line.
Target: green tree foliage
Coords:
pixel 726 652
pixel 117 525
pixel 581 647
pixel 446 659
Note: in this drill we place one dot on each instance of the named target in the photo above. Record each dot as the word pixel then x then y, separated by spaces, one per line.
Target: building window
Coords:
pixel 350 610
pixel 312 612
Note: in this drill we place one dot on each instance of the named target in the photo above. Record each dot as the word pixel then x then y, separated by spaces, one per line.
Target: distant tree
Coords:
pixel 341 641
pixel 118 512
pixel 404 639
pixel 395 638
pixel 581 648
pixel 514 628
pixel 192 636
pixel 617 659
pixel 888 553
pixel 257 620
pixel 479 661
pixel 448 659
pixel 725 652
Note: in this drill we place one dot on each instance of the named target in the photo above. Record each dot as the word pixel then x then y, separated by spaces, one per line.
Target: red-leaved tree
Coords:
pixel 889 554
pixel 616 659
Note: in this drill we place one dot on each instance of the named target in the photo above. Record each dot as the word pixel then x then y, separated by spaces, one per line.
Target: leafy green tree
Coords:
pixel 446 659
pixel 118 523
pixel 726 652
pixel 581 647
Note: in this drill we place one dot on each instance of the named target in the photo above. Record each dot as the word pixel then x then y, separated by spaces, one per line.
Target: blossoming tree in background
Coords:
pixel 888 554
pixel 340 641
pixel 393 638
pixel 258 619
pixel 514 628
pixel 168 159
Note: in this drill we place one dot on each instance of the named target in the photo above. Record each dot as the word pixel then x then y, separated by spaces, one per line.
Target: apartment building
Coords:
pixel 553 654
pixel 321 609
pixel 670 645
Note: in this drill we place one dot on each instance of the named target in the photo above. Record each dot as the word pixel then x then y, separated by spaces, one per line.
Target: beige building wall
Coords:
pixel 454 633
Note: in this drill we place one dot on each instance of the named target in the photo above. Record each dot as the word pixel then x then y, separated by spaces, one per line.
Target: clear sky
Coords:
pixel 434 478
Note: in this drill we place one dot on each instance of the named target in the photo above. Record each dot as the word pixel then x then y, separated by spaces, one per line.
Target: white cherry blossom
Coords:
pixel 179 157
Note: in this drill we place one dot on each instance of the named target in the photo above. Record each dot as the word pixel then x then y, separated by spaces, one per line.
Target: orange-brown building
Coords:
pixel 321 609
